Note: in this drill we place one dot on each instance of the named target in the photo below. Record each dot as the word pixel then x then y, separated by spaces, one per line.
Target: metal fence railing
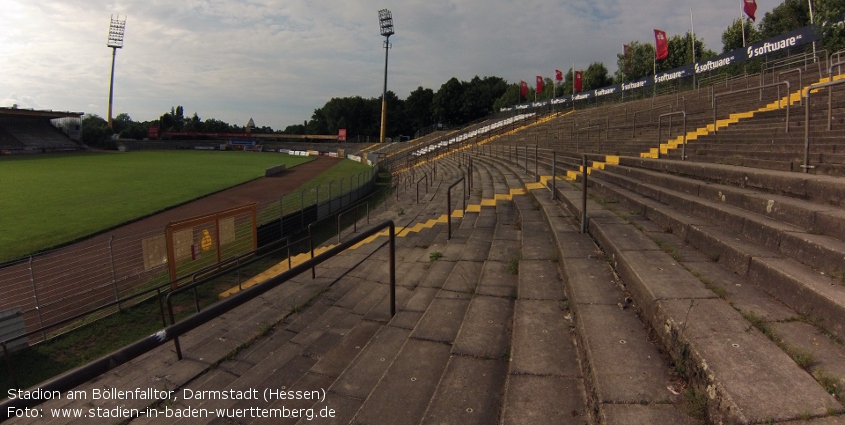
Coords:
pixel 44 289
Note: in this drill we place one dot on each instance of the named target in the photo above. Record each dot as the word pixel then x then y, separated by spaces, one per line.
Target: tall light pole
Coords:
pixel 385 19
pixel 116 30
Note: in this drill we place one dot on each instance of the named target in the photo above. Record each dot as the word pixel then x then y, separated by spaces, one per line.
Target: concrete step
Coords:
pixel 544 384
pixel 747 377
pixel 820 252
pixel 625 376
pixel 801 288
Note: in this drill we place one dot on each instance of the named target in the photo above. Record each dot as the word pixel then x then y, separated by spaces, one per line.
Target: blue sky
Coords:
pixel 277 61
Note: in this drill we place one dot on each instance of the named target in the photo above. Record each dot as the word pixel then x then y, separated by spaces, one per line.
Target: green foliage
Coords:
pixel 638 64
pixel 418 108
pixel 96 132
pixel 596 77
pixel 789 15
pixel 513 266
pixel 732 37
pixel 460 102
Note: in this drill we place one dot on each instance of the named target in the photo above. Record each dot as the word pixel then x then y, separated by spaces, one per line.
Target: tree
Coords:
pixel 680 52
pixel 509 98
pixel 418 108
pixel 638 64
pixel 595 77
pixel 96 132
pixel 830 15
pixel 445 106
pixel 732 37
pixel 789 15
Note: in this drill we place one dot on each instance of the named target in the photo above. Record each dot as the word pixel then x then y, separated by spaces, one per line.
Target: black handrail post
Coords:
pixel 526 159
pixel 449 205
pixel 12 376
pixel 311 248
pixel 536 167
pixel 448 214
pixel 554 175
pixel 173 322
pixel 392 234
pixel 161 307
pixel 584 195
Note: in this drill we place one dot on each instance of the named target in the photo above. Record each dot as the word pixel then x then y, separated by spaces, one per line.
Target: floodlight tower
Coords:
pixel 116 30
pixel 385 19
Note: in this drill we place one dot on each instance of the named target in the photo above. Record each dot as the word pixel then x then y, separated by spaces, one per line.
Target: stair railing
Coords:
pixel 684 145
pixel 807 92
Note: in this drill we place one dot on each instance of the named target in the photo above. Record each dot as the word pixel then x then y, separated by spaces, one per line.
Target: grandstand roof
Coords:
pixel 15 112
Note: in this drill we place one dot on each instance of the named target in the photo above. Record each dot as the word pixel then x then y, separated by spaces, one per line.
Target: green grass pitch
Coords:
pixel 46 201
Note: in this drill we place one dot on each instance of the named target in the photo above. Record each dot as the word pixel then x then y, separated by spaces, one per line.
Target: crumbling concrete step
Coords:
pixel 820 189
pixel 442 320
pixel 486 329
pixel 625 369
pixel 747 378
pixel 540 280
pixel 818 251
pixel 470 392
pixel 800 288
pixel 399 398
pixel 531 399
pixel 498 278
pixel 541 341
pixel 362 375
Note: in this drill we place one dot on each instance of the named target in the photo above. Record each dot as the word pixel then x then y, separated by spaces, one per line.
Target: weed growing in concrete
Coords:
pixel 761 325
pixel 434 256
pixel 669 249
pixel 513 266
pixel 802 358
pixel 695 403
pixel 829 383
pixel 506 354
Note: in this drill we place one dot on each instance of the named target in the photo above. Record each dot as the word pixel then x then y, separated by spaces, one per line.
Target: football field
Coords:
pixel 49 200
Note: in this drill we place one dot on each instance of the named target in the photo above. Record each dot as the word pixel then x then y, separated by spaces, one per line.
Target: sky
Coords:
pixel 276 61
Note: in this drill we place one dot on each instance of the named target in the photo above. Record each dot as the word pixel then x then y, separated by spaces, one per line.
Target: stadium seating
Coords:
pixel 34 137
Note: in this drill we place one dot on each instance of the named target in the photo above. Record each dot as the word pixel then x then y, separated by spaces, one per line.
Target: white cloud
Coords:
pixel 277 61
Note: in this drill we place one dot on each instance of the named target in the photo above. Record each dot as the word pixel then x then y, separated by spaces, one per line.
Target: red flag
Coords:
pixel 750 8
pixel 539 84
pixel 578 78
pixel 558 75
pixel 661 45
pixel 523 89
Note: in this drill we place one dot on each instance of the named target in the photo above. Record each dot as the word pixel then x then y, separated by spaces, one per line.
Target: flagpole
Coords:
pixel 742 18
pixel 654 71
pixel 812 22
pixel 692 30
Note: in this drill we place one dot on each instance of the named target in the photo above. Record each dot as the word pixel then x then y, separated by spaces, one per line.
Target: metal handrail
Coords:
pixel 807 92
pixel 355 224
pixel 449 205
pixel 244 296
pixel 830 95
pixel 716 103
pixel 425 177
pixel 800 78
pixel 660 121
pixel 584 173
pixel 578 133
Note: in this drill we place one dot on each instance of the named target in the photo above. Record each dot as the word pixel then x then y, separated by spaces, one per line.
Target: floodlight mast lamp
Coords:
pixel 385 19
pixel 116 31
